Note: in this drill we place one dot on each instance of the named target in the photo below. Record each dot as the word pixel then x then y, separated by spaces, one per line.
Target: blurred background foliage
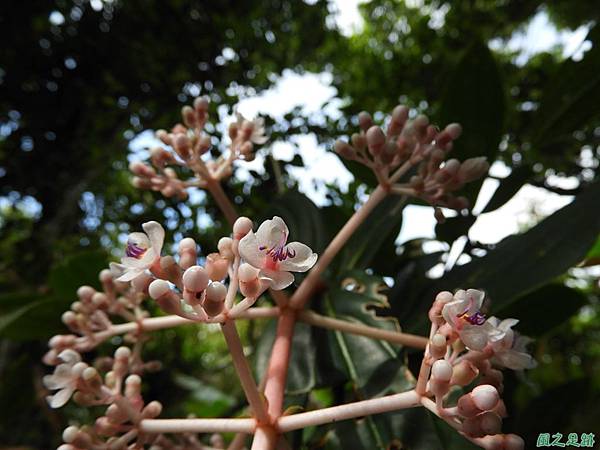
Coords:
pixel 79 80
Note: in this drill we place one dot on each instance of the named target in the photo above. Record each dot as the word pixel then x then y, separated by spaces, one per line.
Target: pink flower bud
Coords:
pixel 250 285
pixel 246 272
pixel 438 346
pixel 365 121
pixel 104 427
pixel 168 300
pixel 482 425
pixel 201 104
pixel 225 248
pixel 375 140
pixel 189 116
pixel 399 118
pixel 204 144
pixel 472 169
pixel 85 293
pixel 133 386
pixel 359 141
pixel 171 269
pixel 187 253
pixel 164 137
pixel 216 266
pixel 100 300
pixel 464 373
pixel 495 442
pixel 454 130
pixel 141 170
pixel 441 372
pixel 513 442
pixel 195 279
pixel 485 397
pixel 241 227
pixel 152 410
pixel 215 298
pixel 182 145
pixel 116 415
pixel 466 406
pixel 344 150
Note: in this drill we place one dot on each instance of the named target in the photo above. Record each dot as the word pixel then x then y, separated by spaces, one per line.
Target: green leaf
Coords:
pixel 524 262
pixel 475 98
pixel 545 308
pixel 301 372
pixel 377 232
pixel 570 99
pixel 454 227
pixel 369 363
pixel 302 217
pixel 9 318
pixel 69 274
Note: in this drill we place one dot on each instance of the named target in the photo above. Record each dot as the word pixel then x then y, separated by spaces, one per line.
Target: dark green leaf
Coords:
pixel 508 188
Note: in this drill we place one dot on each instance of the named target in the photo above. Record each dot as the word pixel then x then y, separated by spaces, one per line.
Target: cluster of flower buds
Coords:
pixel 413 147
pixel 90 318
pixel 467 349
pixel 117 388
pixel 188 145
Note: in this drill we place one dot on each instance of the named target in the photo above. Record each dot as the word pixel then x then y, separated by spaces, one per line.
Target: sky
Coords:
pixel 313 93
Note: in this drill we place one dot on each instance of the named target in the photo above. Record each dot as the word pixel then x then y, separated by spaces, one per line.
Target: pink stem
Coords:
pixel 279 362
pixel 409 340
pixel 222 200
pixel 244 373
pixel 198 425
pixel 388 403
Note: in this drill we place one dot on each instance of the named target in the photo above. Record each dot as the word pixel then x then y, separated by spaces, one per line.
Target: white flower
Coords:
pixel 267 251
pixel 142 251
pixel 509 346
pixel 464 316
pixel 65 378
pixel 258 128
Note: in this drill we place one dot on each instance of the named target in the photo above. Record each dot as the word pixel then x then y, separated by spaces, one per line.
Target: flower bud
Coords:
pixel 344 149
pixel 225 248
pixel 485 397
pixel 84 293
pixel 446 173
pixel 164 137
pixel 214 298
pixel 454 130
pixel 104 427
pixel 216 441
pixel 495 442
pixel 216 266
pixel 100 300
pixel 201 104
pixel 250 285
pixel 70 320
pixel 359 141
pixel 472 169
pixel 189 116
pixel 187 253
pixel 115 414
pixel 493 377
pixel 375 140
pixel 152 410
pixel 133 386
pixel 168 300
pixel 141 170
pixel 241 227
pixel 171 270
pixel 441 372
pixel 513 442
pixel 464 373
pixel 195 279
pixel 437 346
pixel 365 121
pixel 92 378
pixel 182 145
pixel 484 424
pixel 399 118
pixel 466 406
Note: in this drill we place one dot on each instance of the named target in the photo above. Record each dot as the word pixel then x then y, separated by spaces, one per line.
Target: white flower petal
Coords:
pixel 61 397
pixel 277 280
pixel 507 324
pixel 474 337
pixel 130 274
pixel 248 248
pixel 515 360
pixel 69 356
pixel 272 233
pixel 303 258
pixel 116 269
pixel 156 233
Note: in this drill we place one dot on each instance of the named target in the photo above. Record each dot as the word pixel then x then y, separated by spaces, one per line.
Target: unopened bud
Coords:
pixel 85 293
pixel 399 118
pixel 182 145
pixel 359 141
pixel 216 266
pixel 214 298
pixel 250 285
pixel 513 442
pixel 189 116
pixel 187 253
pixel 472 169
pixel 441 372
pixel 464 373
pixel 225 248
pixel 241 227
pixel 141 170
pixel 195 279
pixel 201 104
pixel 344 150
pixel 152 410
pixel 438 346
pixel 168 300
pixel 375 140
pixel 365 121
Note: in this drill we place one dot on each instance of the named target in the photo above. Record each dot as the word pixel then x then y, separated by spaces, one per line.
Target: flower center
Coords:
pixel 279 252
pixel 477 318
pixel 133 250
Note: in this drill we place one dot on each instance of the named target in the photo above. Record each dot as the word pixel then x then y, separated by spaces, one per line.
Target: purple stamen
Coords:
pixel 279 252
pixel 133 251
pixel 474 319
